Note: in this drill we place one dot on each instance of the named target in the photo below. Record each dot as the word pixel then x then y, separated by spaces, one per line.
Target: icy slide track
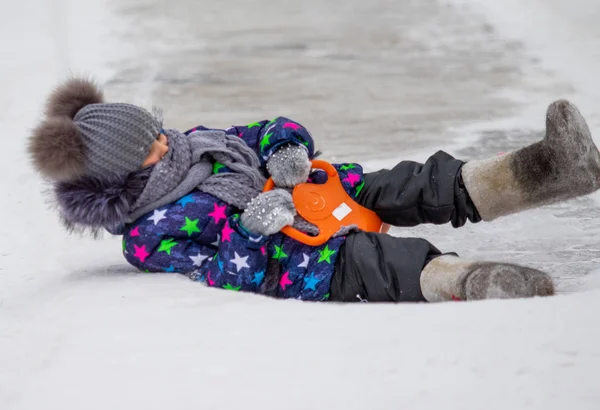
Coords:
pixel 80 330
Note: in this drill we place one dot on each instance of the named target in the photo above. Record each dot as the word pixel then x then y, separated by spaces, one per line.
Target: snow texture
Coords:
pixel 80 329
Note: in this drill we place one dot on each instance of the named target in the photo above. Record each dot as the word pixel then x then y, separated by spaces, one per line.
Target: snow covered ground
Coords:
pixel 79 329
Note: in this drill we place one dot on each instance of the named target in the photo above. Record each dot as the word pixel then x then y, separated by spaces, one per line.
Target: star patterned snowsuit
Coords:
pixel 200 236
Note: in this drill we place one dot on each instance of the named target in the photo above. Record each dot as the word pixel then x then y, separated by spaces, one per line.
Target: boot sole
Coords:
pixel 487 280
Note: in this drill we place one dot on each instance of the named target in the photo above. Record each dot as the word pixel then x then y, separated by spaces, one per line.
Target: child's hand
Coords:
pixel 269 212
pixel 289 166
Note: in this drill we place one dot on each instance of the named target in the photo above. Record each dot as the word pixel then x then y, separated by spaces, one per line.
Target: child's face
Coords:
pixel 158 150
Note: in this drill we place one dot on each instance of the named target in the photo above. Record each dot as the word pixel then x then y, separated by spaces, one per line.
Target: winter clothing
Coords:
pixel 412 193
pixel 117 137
pixel 379 267
pixel 94 204
pixel 444 190
pixel 269 212
pixel 201 235
pixel 82 136
pixel 183 213
pixel 289 166
pixel 451 278
pixel 189 164
pixel 564 165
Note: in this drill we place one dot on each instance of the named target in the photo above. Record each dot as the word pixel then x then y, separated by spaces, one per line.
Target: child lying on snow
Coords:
pixel 192 203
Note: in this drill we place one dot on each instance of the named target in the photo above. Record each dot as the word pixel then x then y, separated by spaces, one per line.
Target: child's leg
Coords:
pixel 451 278
pixel 412 193
pixel 564 165
pixel 382 268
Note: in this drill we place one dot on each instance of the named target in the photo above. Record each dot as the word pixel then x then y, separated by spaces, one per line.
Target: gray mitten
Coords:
pixel 289 166
pixel 269 212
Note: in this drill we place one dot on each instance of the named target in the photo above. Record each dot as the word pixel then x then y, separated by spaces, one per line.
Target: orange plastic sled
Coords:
pixel 329 207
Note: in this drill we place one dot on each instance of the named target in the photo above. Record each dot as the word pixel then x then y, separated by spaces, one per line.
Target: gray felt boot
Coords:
pixel 564 165
pixel 450 278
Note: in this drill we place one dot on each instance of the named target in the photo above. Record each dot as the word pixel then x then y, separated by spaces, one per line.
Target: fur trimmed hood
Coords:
pixel 92 204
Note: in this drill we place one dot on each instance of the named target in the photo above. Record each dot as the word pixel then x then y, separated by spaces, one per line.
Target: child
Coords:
pixel 192 203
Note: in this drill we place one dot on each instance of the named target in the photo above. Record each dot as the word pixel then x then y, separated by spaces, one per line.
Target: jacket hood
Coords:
pixel 91 204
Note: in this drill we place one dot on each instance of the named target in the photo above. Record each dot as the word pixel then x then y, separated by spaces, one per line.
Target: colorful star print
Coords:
pixel 226 233
pixel 158 216
pixel 218 212
pixel 325 254
pixel 265 140
pixel 304 263
pixel 246 268
pixel 185 200
pixel 141 253
pixel 135 231
pixel 219 263
pixel 352 178
pixel 279 253
pixel 311 282
pixel 191 226
pixel 229 287
pixel 198 259
pixel 360 188
pixel 258 277
pixel 291 125
pixel 217 167
pixel 240 262
pixel 285 280
pixel 166 245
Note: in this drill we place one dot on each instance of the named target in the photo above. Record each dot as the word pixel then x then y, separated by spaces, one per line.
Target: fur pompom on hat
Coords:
pixel 84 136
pixel 72 96
pixel 57 149
pixel 55 146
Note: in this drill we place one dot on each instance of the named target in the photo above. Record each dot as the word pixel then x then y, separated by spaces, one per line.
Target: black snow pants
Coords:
pixel 382 268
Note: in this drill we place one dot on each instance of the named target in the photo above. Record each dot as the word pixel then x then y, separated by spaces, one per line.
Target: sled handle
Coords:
pixel 322 237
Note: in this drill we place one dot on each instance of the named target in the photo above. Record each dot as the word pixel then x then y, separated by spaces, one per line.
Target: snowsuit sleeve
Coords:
pixel 265 137
pixel 198 235
pixel 350 174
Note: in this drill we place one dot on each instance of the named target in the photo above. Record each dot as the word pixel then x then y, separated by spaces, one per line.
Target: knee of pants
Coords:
pixel 381 268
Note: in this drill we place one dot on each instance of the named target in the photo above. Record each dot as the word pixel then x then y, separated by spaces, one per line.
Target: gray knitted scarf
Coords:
pixel 188 165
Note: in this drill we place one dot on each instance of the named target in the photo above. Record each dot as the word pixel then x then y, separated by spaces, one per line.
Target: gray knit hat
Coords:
pixel 83 136
pixel 117 137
